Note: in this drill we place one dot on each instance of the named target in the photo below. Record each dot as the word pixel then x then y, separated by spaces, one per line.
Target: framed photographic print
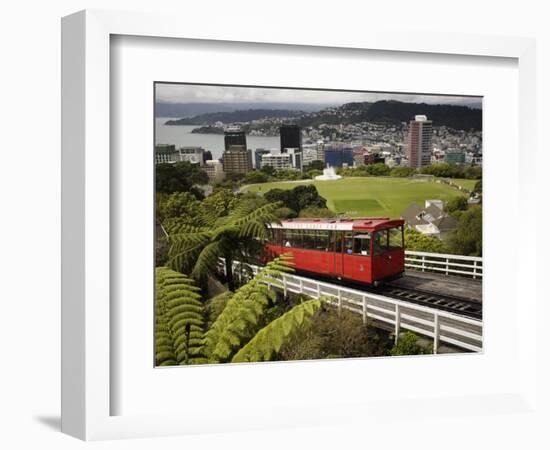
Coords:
pixel 290 232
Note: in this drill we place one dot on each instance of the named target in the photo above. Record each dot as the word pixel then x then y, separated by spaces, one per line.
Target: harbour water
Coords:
pixel 180 136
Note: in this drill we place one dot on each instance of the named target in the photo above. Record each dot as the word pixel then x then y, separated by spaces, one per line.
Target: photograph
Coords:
pixel 298 224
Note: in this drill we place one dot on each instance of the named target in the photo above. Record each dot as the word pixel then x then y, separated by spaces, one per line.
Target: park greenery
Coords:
pixel 249 321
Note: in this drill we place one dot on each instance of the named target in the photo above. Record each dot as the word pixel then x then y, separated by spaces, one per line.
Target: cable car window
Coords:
pixel 395 238
pixel 380 242
pixel 361 244
pixel 348 243
pixel 321 240
pixel 308 239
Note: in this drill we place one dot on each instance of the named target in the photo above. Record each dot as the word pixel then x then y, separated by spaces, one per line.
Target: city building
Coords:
pixel 237 159
pixel 258 157
pixel 291 137
pixel 419 148
pixel 296 157
pixel 194 155
pixel 165 153
pixel 320 150
pixel 338 156
pixel 455 156
pixel 234 137
pixel 214 170
pixel 281 161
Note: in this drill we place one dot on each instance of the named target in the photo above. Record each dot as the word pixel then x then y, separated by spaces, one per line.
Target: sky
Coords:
pixel 182 93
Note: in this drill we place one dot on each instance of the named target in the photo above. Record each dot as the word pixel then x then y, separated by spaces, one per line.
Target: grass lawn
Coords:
pixel 371 196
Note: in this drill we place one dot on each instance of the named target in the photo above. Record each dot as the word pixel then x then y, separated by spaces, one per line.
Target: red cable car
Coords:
pixel 360 250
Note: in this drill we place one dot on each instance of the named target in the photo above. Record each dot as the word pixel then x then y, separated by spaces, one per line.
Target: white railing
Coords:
pixel 440 326
pixel 470 266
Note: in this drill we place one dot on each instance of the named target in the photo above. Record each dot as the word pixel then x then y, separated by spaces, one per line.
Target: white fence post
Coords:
pixel 284 285
pixel 318 290
pixel 436 332
pixel 475 268
pixel 446 266
pixel 301 286
pixel 339 302
pixel 364 310
pixel 397 322
pixel 423 261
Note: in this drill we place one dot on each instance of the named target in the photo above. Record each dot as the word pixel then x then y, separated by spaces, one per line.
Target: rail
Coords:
pixel 441 326
pixel 470 266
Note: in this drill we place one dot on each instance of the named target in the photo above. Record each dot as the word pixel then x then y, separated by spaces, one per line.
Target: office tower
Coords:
pixel 237 159
pixel 258 157
pixel 291 137
pixel 279 161
pixel 338 156
pixel 234 137
pixel 419 148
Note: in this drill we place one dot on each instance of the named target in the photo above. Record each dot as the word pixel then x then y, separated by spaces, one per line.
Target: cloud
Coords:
pixel 188 93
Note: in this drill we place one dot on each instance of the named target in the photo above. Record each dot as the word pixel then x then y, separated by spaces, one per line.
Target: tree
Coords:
pixel 402 172
pixel 268 170
pixel 418 242
pixel 197 249
pixel 316 212
pixel 298 198
pixel 466 239
pixel 241 330
pixel 407 344
pixel 179 177
pixel 315 165
pixel 459 203
pixel 256 176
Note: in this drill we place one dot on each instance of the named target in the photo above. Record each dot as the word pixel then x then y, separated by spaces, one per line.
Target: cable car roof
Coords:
pixel 367 224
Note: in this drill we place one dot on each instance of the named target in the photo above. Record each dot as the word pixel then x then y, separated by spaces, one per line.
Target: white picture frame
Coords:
pixel 87 320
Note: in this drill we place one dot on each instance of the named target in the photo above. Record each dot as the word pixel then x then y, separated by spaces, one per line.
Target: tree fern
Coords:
pixel 240 319
pixel 269 340
pixel 179 319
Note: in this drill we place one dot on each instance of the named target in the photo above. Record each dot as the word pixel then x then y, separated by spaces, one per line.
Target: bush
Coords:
pixel 316 212
pixel 418 242
pixel 403 172
pixel 407 345
pixel 459 203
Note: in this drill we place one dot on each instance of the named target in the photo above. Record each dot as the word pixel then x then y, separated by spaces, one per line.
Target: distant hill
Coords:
pixel 391 111
pixel 235 116
pixel 384 111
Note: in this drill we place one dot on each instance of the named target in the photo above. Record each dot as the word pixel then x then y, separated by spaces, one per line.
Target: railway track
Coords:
pixel 444 302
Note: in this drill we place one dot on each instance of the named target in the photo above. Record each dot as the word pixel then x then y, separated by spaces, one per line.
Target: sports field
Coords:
pixel 371 196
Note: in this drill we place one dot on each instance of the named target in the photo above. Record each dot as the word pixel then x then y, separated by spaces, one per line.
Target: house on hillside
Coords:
pixel 430 220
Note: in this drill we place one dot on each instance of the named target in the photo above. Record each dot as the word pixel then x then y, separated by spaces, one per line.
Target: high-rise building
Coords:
pixel 419 148
pixel 336 156
pixel 214 170
pixel 258 157
pixel 279 161
pixel 291 137
pixel 194 155
pixel 165 153
pixel 234 137
pixel 455 156
pixel 296 157
pixel 237 159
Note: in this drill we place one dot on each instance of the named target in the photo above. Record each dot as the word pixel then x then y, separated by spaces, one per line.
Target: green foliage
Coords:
pixel 315 165
pixel 240 320
pixel 268 170
pixel 407 345
pixel 459 203
pixel 179 177
pixel 467 238
pixel 403 172
pixel 371 170
pixel 333 335
pixel 316 212
pixel 179 319
pixel 215 306
pixel 269 340
pixel 445 170
pixel 256 176
pixel 418 242
pixel 196 250
pixel 179 205
pixel 298 198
